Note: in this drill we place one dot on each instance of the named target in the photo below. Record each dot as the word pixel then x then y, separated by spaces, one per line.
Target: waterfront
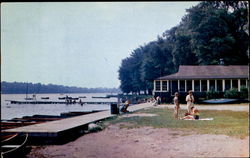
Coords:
pixel 9 111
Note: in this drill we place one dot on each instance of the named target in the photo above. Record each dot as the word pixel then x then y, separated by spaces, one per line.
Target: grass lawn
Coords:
pixel 229 123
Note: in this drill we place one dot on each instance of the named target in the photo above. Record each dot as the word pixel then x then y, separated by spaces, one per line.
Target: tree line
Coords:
pixel 22 88
pixel 208 32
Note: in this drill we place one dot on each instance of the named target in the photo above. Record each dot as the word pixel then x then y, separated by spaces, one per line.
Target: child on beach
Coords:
pixel 177 105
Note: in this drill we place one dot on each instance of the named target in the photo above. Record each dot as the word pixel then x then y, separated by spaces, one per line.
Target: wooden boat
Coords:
pixel 14 147
pixel 78 113
pixel 11 124
pixel 5 138
pixel 44 97
pixel 220 101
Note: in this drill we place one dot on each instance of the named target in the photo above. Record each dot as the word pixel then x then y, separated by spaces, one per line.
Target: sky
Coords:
pixel 79 43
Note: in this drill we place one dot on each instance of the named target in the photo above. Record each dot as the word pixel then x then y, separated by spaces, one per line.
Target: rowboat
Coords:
pixel 14 147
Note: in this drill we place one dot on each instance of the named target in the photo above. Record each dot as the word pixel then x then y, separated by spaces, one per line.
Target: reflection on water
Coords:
pixel 9 111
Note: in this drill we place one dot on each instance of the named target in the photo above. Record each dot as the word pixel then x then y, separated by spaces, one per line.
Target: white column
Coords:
pixel 223 85
pixel 161 85
pixel 192 85
pixel 215 86
pixel 239 85
pixel 168 85
pixel 200 85
pixel 178 85
pixel 208 85
pixel 185 85
pixel 246 84
pixel 231 84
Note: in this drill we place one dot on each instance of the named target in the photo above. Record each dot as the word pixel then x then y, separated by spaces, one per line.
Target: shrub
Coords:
pixel 232 93
pixel 243 92
pixel 212 94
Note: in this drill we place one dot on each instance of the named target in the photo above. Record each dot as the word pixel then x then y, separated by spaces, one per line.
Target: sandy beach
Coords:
pixel 145 142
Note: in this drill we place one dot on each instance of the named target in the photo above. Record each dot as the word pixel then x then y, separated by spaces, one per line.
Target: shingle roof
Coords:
pixel 209 72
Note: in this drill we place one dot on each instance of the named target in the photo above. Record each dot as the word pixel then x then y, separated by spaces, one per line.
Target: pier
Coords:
pixel 59 102
pixel 60 129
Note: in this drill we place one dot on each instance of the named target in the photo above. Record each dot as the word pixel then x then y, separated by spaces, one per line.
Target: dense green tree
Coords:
pixel 210 31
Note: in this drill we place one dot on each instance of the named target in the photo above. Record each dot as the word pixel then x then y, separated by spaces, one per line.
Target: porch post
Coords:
pixel 215 86
pixel 200 85
pixel 223 85
pixel 154 86
pixel 168 85
pixel 231 84
pixel 192 85
pixel 208 85
pixel 185 85
pixel 161 85
pixel 239 85
pixel 178 85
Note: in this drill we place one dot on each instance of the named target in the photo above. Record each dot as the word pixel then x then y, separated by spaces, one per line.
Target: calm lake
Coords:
pixel 9 111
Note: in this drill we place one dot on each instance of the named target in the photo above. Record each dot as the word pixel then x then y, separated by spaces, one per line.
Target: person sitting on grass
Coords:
pixel 193 116
pixel 126 105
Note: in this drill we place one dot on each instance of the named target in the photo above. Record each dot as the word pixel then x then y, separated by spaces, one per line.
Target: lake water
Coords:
pixel 9 111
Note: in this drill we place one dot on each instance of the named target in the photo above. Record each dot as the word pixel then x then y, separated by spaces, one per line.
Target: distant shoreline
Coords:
pixel 38 88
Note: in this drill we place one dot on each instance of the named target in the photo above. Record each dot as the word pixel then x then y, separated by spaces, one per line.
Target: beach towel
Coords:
pixel 207 119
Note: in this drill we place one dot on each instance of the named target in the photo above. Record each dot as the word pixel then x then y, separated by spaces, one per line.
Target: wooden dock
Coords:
pixel 59 102
pixel 59 127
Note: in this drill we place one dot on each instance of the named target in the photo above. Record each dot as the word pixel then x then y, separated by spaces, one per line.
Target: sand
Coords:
pixel 145 142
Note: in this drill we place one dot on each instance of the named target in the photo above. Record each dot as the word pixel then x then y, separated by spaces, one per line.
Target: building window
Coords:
pixel 189 85
pixel 157 85
pixel 203 85
pixel 243 83
pixel 212 85
pixel 164 85
pixel 197 85
pixel 235 84
pixel 182 86
pixel 227 84
pixel 219 85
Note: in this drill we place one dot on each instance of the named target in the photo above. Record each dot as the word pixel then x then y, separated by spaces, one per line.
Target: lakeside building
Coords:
pixel 202 79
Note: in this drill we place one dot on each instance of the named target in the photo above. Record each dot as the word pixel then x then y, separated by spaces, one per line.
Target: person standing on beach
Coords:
pixel 190 101
pixel 177 105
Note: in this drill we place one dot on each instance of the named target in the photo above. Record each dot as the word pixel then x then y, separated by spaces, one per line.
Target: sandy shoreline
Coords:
pixel 145 142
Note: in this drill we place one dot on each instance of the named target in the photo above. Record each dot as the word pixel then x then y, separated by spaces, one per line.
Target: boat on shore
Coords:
pixel 220 101
pixel 14 146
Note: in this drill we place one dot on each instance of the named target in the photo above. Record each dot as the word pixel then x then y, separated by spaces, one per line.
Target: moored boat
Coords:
pixel 44 97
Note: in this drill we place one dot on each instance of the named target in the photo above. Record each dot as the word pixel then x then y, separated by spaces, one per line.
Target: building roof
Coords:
pixel 209 72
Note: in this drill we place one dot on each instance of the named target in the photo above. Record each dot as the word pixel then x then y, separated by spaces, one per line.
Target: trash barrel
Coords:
pixel 114 109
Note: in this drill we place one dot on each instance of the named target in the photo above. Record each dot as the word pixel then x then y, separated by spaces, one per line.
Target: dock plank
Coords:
pixel 52 128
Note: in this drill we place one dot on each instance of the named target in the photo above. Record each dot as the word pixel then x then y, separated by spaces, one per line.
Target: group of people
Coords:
pixel 192 112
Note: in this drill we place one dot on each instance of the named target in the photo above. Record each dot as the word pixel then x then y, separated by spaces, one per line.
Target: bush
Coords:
pixel 232 93
pixel 212 94
pixel 243 92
